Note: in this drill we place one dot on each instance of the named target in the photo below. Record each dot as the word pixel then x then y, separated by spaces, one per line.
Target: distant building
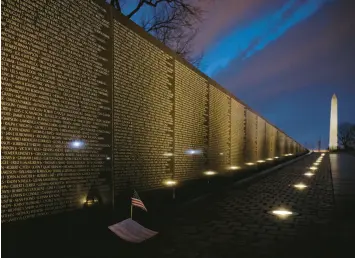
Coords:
pixel 333 132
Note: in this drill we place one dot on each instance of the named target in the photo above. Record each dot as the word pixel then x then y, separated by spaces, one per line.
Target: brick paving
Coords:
pixel 236 223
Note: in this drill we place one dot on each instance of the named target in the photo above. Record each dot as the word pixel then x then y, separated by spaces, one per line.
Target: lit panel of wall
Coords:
pixel 143 111
pixel 282 144
pixel 237 133
pixel 191 129
pixel 270 141
pixel 261 139
pixel 251 137
pixel 219 129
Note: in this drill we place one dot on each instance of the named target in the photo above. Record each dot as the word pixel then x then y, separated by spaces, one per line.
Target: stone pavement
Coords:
pixel 236 223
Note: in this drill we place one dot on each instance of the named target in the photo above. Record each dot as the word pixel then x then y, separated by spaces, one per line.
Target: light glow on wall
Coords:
pixel 76 144
pixel 193 152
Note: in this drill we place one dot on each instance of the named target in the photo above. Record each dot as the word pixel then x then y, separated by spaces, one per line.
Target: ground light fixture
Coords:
pixel 210 173
pixel 249 164
pixel 309 174
pixel 313 168
pixel 269 159
pixel 261 161
pixel 282 213
pixel 277 157
pixel 170 182
pixel 234 167
pixel 300 186
pixel 90 201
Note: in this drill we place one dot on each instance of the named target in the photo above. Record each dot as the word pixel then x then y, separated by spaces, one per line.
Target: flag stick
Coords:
pixel 131 211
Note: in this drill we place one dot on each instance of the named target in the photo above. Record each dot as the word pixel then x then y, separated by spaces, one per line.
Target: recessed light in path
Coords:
pixel 309 174
pixel 170 182
pixel 300 186
pixel 209 173
pixel 234 167
pixel 282 213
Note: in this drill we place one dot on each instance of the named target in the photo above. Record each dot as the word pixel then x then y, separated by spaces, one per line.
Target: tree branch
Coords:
pixel 116 4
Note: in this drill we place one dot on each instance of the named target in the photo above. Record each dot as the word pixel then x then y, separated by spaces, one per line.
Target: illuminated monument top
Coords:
pixel 333 132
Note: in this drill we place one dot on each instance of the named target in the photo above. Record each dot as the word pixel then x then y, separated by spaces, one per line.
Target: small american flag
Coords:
pixel 136 201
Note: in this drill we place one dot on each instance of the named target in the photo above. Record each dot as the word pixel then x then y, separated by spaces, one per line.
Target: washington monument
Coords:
pixel 333 132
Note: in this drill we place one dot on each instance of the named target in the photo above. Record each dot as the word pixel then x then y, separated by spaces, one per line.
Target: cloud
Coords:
pixel 244 41
pixel 223 15
pixel 318 51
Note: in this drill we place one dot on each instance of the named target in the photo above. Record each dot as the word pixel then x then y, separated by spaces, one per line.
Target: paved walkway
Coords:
pixel 236 223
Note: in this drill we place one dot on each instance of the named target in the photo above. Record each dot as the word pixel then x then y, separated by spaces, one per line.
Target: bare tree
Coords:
pixel 346 135
pixel 173 22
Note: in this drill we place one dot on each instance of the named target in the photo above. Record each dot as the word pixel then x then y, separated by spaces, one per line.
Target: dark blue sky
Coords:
pixel 284 58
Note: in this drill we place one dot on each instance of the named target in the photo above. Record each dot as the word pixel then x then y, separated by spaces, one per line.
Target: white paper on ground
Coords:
pixel 132 231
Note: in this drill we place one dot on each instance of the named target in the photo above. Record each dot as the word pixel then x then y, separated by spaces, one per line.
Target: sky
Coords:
pixel 284 58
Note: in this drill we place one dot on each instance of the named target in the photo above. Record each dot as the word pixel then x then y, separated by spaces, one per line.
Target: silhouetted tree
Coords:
pixel 173 22
pixel 346 135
